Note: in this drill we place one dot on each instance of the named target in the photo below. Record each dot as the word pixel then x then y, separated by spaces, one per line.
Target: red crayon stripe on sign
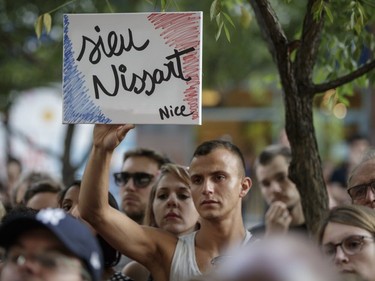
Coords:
pixel 182 31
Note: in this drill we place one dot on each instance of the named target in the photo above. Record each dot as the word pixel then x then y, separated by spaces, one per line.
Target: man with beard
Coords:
pixel 284 211
pixel 140 170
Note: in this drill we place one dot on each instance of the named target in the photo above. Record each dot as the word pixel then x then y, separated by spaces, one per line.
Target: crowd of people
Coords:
pixel 177 223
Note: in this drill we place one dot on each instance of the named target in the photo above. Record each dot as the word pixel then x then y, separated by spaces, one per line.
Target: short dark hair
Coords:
pixel 149 153
pixel 29 179
pixel 271 152
pixel 65 190
pixel 14 160
pixel 357 137
pixel 41 187
pixel 208 146
pixel 19 210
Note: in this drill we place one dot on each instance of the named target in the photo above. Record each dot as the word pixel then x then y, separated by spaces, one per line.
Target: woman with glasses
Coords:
pixel 346 237
pixel 170 207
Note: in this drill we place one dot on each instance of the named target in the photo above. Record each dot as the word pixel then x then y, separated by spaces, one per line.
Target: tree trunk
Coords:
pixel 305 169
pixel 68 170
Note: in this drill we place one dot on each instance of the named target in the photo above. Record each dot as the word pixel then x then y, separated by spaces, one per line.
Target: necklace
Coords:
pixel 216 261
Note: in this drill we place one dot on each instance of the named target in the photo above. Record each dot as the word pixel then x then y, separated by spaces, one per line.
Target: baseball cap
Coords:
pixel 72 233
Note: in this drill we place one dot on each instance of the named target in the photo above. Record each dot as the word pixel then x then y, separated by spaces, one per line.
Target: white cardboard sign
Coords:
pixel 140 68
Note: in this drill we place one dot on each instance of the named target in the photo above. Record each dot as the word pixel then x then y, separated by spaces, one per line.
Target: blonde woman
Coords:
pixel 170 207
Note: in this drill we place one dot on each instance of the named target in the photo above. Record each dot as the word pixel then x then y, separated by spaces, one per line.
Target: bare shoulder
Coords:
pixel 162 255
pixel 164 240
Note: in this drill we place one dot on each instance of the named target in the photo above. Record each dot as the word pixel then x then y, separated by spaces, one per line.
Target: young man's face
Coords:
pixel 275 184
pixel 135 197
pixel 39 256
pixel 218 183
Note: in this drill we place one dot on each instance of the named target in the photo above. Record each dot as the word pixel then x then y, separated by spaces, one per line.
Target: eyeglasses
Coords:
pixel 50 260
pixel 140 179
pixel 359 192
pixel 351 245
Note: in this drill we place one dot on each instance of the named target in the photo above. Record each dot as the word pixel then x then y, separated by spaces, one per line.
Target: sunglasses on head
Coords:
pixel 140 179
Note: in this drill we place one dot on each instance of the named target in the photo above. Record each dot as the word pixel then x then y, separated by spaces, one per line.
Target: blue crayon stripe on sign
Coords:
pixel 78 106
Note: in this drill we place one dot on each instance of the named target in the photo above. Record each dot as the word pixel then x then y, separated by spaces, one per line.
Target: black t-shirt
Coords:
pixel 340 175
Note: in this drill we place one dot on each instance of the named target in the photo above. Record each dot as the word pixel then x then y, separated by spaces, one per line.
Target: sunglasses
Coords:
pixel 351 245
pixel 140 179
pixel 359 192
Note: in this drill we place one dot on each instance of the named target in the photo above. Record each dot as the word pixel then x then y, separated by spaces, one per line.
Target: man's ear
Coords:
pixel 245 186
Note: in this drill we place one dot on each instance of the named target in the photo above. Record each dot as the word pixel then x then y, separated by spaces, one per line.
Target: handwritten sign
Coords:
pixel 140 68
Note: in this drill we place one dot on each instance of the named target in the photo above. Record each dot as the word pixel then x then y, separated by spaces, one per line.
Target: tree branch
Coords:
pixel 68 143
pixel 271 29
pixel 84 157
pixel 320 88
pixel 309 45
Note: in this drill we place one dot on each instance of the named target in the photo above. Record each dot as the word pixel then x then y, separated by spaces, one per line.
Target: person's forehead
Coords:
pixel 335 232
pixel 172 188
pixel 364 173
pixel 169 178
pixel 276 165
pixel 139 163
pixel 43 200
pixel 72 193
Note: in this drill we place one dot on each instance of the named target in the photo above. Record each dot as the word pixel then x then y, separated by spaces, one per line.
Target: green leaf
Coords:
pixel 328 13
pixel 215 9
pixel 163 4
pixel 227 33
pixel 218 33
pixel 362 13
pixel 352 20
pixel 47 22
pixel 39 26
pixel 332 100
pixel 358 27
pixel 317 9
pixel 228 19
pixel 218 19
pixel 344 100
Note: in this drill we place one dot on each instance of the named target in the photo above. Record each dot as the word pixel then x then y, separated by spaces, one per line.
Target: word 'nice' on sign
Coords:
pixel 140 68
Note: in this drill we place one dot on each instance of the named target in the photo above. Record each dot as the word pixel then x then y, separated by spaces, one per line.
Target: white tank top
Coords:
pixel 184 265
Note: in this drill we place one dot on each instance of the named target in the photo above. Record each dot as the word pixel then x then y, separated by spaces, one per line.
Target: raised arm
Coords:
pixel 139 243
